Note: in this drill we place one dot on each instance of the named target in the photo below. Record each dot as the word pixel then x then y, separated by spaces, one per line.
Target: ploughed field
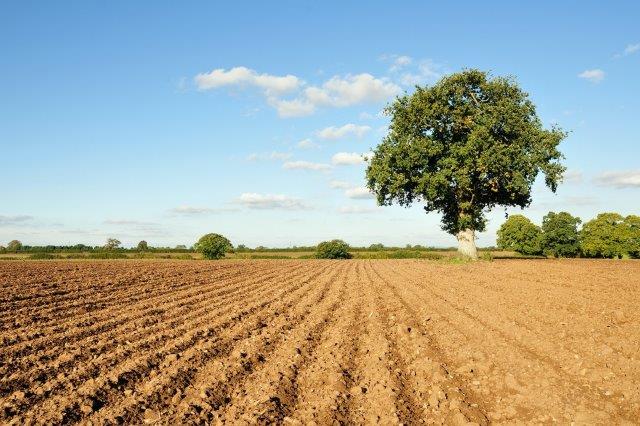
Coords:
pixel 300 341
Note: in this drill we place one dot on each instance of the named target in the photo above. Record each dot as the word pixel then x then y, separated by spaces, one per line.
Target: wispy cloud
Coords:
pixel 306 144
pixel 593 76
pixel 339 184
pixel 629 50
pixel 305 165
pixel 622 179
pixel 200 211
pixel 572 176
pixel 12 220
pixel 349 129
pixel 359 193
pixel 273 155
pixel 358 210
pixel 257 201
pixel 127 222
pixel 426 72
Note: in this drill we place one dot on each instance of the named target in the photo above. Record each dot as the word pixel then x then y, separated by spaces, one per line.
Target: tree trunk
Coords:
pixel 467 243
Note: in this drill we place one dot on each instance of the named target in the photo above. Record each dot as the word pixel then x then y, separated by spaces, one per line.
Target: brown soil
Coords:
pixel 303 341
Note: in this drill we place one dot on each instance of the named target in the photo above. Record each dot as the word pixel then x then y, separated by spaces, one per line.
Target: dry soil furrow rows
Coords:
pixel 325 383
pixel 93 303
pixel 143 301
pixel 517 323
pixel 166 391
pixel 92 285
pixel 102 353
pixel 121 370
pixel 537 383
pixel 438 394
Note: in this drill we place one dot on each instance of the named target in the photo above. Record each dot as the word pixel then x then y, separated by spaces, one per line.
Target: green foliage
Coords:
pixel 462 146
pixel 14 245
pixel 560 235
pixel 610 235
pixel 405 254
pixel 632 232
pixel 107 255
pixel 519 234
pixel 376 247
pixel 143 246
pixel 44 256
pixel 112 244
pixel 334 249
pixel 213 246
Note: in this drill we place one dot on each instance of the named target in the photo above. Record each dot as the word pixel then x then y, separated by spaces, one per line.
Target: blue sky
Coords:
pixel 159 121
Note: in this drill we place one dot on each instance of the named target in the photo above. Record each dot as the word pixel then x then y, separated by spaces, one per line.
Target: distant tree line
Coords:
pixel 609 235
pixel 111 244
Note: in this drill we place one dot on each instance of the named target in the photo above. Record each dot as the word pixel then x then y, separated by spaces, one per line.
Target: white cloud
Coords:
pixel 338 91
pixel 343 131
pixel 594 76
pixel 253 200
pixel 292 108
pixel 339 184
pixel 359 193
pixel 351 90
pixel 279 155
pixel 357 210
pixel 195 211
pixel 348 158
pixel 306 144
pixel 242 76
pixel 305 165
pixel 365 116
pixel 11 220
pixel 626 179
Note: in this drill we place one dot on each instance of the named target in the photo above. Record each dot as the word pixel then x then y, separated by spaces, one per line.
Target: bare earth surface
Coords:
pixel 301 341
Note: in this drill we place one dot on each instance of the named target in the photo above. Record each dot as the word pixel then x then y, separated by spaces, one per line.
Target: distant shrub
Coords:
pixel 213 246
pixel 486 255
pixel 334 249
pixel 520 235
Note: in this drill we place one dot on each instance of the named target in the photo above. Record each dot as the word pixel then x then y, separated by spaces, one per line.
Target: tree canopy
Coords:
pixel 14 245
pixel 610 235
pixel 112 244
pixel 213 246
pixel 143 246
pixel 519 234
pixel 463 146
pixel 560 234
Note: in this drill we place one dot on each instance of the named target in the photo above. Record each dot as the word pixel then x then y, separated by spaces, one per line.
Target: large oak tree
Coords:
pixel 463 146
